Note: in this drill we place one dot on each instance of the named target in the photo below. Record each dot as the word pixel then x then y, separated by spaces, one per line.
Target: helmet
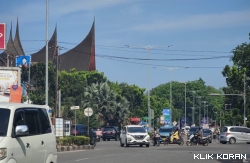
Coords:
pixel 154 128
pixel 200 127
pixel 98 129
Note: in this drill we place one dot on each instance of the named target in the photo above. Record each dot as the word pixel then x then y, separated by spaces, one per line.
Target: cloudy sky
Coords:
pixel 194 36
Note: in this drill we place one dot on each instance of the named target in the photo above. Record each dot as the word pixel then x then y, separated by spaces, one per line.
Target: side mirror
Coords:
pixel 22 130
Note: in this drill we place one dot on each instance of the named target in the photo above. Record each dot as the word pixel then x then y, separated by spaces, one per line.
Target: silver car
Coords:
pixel 233 134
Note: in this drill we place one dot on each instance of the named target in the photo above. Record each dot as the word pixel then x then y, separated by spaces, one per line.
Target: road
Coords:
pixel 111 152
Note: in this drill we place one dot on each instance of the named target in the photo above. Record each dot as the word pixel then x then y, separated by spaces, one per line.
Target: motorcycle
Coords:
pixel 157 141
pixel 98 138
pixel 179 141
pixel 193 138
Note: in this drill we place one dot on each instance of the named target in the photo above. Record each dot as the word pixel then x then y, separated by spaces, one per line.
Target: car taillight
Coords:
pixel 227 134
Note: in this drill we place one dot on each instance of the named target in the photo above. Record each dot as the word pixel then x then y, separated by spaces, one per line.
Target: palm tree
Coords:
pixel 101 99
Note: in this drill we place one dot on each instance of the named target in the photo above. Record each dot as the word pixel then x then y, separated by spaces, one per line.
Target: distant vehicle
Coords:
pixel 79 129
pixel 110 132
pixel 207 134
pixel 165 132
pixel 134 135
pixel 233 134
pixel 193 130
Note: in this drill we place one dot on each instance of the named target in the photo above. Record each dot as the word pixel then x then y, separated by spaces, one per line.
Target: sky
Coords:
pixel 140 41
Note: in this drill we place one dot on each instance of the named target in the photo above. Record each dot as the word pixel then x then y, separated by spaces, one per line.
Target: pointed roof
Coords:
pixel 17 42
pixel 40 56
pixel 81 57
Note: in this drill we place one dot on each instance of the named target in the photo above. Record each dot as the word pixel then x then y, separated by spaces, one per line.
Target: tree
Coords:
pixel 103 101
pixel 235 79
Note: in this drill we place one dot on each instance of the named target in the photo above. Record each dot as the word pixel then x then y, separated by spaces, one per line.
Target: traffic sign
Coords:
pixel 74 107
pixel 88 112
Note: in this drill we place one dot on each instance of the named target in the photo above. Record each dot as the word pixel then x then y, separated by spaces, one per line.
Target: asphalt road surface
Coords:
pixel 111 152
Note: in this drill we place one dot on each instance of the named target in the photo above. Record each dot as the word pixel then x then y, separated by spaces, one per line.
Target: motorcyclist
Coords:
pixel 199 135
pixel 98 132
pixel 156 135
pixel 175 135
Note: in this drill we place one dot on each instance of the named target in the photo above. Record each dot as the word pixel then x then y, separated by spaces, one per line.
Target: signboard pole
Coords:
pixel 88 122
pixel 74 108
pixel 75 122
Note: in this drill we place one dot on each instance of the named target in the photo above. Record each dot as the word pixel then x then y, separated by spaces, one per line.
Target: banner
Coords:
pixel 167 116
pixel 2 35
pixel 23 61
pixel 15 94
pixel 204 120
pixel 9 80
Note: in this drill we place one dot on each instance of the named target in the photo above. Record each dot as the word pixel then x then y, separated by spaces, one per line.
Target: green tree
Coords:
pixel 235 81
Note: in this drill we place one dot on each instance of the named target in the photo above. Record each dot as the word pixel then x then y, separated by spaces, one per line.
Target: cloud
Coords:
pixel 194 22
pixel 36 11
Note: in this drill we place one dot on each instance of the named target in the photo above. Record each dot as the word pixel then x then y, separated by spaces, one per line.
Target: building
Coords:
pixel 81 57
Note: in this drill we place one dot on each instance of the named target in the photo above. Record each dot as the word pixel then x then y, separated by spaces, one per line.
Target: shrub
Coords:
pixel 76 140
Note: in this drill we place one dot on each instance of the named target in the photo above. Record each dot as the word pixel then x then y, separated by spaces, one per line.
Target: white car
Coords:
pixel 134 135
pixel 26 134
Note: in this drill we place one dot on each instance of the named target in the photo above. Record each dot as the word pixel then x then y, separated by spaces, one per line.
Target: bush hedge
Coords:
pixel 73 140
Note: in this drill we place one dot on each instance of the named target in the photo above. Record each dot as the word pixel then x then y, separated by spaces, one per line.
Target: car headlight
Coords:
pixel 3 153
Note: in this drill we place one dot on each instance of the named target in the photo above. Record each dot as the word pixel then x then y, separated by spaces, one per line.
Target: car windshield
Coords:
pixel 193 129
pixel 4 121
pixel 136 130
pixel 109 129
pixel 206 131
pixel 165 130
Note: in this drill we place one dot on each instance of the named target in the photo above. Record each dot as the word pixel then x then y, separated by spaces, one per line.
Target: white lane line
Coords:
pixel 82 159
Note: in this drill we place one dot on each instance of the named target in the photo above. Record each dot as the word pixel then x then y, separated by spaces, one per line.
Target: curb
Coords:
pixel 74 148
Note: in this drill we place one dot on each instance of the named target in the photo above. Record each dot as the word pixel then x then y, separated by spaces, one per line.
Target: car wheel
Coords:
pixel 103 139
pixel 232 141
pixel 248 142
pixel 140 145
pixel 108 139
pixel 116 138
pixel 126 144
pixel 147 145
pixel 122 145
pixel 210 141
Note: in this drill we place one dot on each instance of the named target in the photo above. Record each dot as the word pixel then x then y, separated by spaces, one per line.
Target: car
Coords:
pixel 134 135
pixel 79 129
pixel 207 133
pixel 110 132
pixel 193 130
pixel 26 134
pixel 165 132
pixel 233 134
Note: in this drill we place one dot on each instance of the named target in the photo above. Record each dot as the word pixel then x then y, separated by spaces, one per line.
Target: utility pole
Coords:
pixel 47 55
pixel 199 97
pixel 56 82
pixel 244 100
pixel 193 107
pixel 204 111
pixel 148 48
pixel 185 104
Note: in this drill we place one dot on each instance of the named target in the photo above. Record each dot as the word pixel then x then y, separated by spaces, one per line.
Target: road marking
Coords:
pixel 82 159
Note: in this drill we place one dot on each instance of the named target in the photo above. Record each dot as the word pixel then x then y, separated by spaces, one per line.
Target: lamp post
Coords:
pixel 207 114
pixel 185 103
pixel 193 106
pixel 199 97
pixel 47 51
pixel 148 48
pixel 204 102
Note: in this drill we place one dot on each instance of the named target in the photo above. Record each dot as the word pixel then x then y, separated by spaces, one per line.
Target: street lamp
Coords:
pixel 185 102
pixel 199 97
pixel 204 102
pixel 193 106
pixel 148 48
pixel 47 55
